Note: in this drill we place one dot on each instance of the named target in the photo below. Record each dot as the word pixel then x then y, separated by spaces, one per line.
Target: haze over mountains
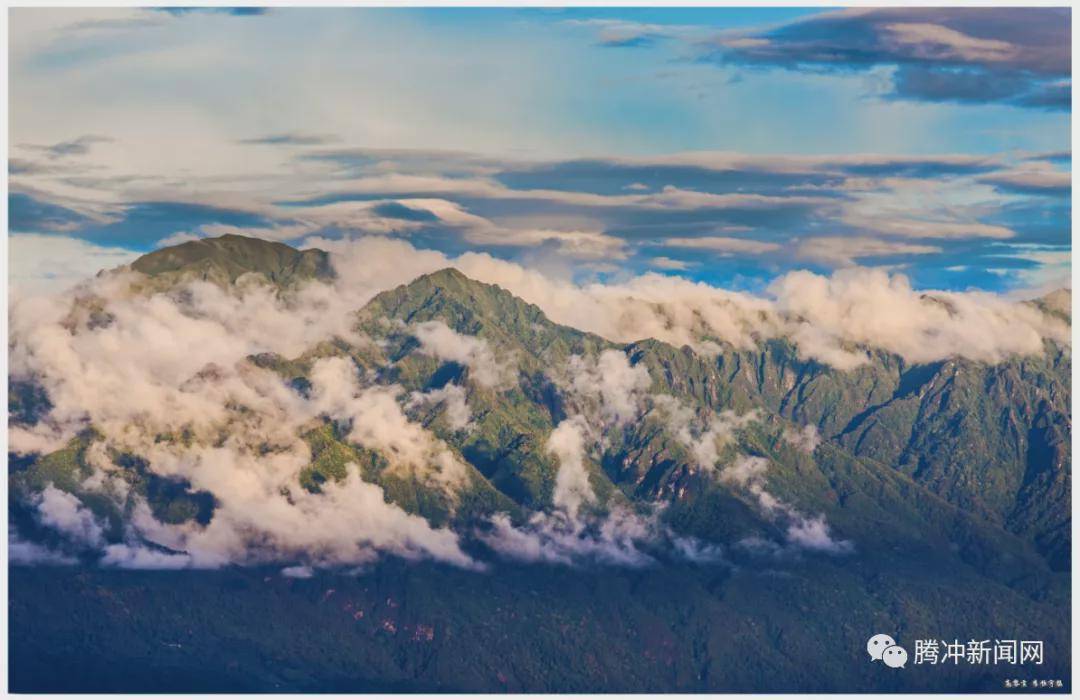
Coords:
pixel 232 401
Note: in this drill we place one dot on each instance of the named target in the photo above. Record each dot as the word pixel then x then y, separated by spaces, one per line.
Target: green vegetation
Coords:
pixel 67 469
pixel 225 260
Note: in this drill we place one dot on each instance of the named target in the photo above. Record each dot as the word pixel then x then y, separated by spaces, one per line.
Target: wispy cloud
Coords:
pixel 75 147
pixel 1031 178
pixel 847 250
pixel 290 139
pixel 722 244
pixel 665 263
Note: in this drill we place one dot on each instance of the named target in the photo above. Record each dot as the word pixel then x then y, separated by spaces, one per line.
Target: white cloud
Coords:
pixel 846 250
pixel 572 487
pixel 1032 176
pixel 934 41
pixel 723 245
pixel 704 435
pixel 162 366
pixel 452 399
pixel 745 471
pixel 872 308
pixel 556 539
pixel 806 439
pixel 297 572
pixel 378 422
pixel 66 514
pixel 813 534
pixel 802 532
pixel 47 264
pixel 30 553
pixel 581 245
pixel 178 238
pixel 570 533
pixel 439 340
pixel 126 556
pixel 1053 270
pixel 618 387
pixel 919 228
pixel 665 263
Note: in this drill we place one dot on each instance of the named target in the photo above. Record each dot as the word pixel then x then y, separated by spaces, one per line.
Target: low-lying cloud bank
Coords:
pixel 825 315
pixel 166 378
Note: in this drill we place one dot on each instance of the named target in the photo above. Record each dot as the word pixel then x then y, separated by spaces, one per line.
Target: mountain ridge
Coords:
pixel 225 259
pixel 872 422
pixel 274 260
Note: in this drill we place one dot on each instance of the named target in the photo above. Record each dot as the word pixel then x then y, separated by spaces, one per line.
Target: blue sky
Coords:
pixel 726 145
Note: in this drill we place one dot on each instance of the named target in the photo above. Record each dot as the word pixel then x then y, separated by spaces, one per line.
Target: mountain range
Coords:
pixel 627 516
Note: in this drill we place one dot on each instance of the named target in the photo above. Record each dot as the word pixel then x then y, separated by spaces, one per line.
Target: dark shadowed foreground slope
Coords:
pixel 417 627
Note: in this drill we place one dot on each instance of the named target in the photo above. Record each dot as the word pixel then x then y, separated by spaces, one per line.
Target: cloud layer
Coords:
pixel 927 150
pixel 710 216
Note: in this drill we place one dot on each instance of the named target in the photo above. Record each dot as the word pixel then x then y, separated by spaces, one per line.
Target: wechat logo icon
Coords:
pixel 882 647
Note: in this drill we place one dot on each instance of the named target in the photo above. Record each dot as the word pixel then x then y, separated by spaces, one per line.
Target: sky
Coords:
pixel 723 145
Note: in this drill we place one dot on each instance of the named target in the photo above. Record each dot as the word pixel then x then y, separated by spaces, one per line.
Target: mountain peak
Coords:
pixel 1056 303
pixel 450 288
pixel 448 277
pixel 471 307
pixel 223 260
